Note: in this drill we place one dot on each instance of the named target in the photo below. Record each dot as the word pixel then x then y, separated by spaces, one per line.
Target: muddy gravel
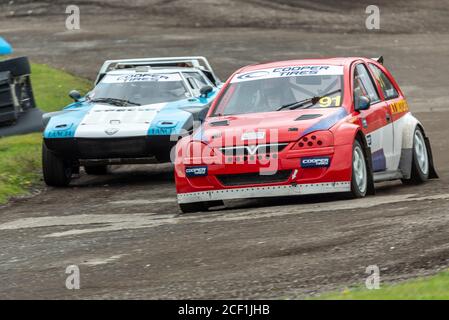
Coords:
pixel 123 230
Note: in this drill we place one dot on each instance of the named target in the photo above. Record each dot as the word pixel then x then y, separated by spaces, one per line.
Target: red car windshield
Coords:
pixel 249 94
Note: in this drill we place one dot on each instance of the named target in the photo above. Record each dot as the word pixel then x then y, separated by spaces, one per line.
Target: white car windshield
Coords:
pixel 139 89
pixel 281 89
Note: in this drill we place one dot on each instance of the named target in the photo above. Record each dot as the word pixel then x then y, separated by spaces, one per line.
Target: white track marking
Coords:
pixel 119 222
pixel 100 261
pixel 142 201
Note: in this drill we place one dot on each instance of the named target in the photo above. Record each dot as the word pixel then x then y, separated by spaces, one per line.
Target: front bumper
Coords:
pixel 111 148
pixel 243 180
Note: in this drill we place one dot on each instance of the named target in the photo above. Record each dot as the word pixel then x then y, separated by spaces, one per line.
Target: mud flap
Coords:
pixel 432 171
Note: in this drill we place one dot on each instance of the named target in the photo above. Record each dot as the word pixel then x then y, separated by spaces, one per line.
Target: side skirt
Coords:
pixel 387 176
pixel 262 192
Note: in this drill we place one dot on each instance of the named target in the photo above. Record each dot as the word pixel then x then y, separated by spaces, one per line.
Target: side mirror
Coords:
pixel 362 103
pixel 204 91
pixel 75 95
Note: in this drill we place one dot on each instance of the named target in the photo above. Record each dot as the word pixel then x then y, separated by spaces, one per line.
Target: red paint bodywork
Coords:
pixel 344 133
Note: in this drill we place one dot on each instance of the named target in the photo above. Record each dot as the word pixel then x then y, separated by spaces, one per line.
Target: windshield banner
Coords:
pixel 141 77
pixel 289 71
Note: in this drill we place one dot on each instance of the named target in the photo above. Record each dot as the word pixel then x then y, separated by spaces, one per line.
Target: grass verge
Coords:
pixel 428 288
pixel 51 87
pixel 20 156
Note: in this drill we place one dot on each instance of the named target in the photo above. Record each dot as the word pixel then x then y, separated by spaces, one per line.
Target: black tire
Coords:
pixel 96 170
pixel 199 206
pixel 192 207
pixel 17 66
pixel 57 170
pixel 357 191
pixel 418 176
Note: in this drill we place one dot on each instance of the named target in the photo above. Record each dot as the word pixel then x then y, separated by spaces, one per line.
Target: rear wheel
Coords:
pixel 57 170
pixel 359 181
pixel 96 170
pixel 420 160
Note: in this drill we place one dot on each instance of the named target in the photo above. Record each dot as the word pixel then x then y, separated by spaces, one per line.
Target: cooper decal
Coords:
pixel 290 71
pixel 315 162
pixel 200 171
pixel 141 77
pixel 253 75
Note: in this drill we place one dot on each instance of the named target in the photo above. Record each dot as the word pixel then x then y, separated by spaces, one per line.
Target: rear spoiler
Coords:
pixel 379 59
pixel 188 62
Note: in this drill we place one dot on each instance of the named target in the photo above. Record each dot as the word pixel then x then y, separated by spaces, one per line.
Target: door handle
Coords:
pixel 388 117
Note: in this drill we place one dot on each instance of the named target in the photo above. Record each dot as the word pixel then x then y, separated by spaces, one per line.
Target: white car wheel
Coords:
pixel 359 183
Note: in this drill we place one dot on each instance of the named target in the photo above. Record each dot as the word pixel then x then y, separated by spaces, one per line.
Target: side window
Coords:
pixel 363 84
pixel 198 78
pixel 192 83
pixel 385 84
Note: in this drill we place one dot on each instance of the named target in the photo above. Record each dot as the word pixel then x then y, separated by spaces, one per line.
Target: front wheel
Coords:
pixel 420 160
pixel 359 181
pixel 57 170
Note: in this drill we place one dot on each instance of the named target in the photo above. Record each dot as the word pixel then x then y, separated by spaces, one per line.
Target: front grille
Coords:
pixel 112 147
pixel 253 178
pixel 253 149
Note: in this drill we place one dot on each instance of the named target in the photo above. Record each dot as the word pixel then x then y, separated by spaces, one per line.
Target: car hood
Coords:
pixel 279 126
pixel 85 119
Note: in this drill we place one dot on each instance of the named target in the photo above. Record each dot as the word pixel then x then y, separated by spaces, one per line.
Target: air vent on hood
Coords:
pixel 308 117
pixel 219 123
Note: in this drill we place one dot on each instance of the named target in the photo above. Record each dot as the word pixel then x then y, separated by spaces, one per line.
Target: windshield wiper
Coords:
pixel 116 102
pixel 313 100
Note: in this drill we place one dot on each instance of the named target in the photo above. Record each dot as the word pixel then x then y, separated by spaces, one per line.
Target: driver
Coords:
pixel 276 93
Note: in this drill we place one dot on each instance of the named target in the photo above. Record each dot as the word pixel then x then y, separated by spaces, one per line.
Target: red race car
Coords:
pixel 302 127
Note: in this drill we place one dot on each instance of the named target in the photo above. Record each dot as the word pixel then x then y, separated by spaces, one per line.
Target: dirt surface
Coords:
pixel 123 230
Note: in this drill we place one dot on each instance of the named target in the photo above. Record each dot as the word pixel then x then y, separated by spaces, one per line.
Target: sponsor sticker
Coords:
pixel 399 106
pixel 141 77
pixel 199 171
pixel 290 71
pixel 253 135
pixel 315 162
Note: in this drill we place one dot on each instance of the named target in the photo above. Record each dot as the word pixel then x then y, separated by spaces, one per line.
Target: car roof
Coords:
pixel 339 61
pixel 151 70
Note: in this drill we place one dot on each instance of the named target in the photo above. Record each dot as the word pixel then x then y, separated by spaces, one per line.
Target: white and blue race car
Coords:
pixel 136 113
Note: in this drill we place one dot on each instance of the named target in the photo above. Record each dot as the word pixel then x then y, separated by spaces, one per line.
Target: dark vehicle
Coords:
pixel 16 93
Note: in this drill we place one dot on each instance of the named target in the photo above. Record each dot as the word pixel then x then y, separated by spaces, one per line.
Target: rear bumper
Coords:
pixel 111 148
pixel 243 180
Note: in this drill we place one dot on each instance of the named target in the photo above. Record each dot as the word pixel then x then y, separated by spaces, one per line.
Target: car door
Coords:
pixel 376 121
pixel 397 107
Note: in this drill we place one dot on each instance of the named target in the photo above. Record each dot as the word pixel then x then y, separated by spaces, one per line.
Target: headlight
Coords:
pixel 317 139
